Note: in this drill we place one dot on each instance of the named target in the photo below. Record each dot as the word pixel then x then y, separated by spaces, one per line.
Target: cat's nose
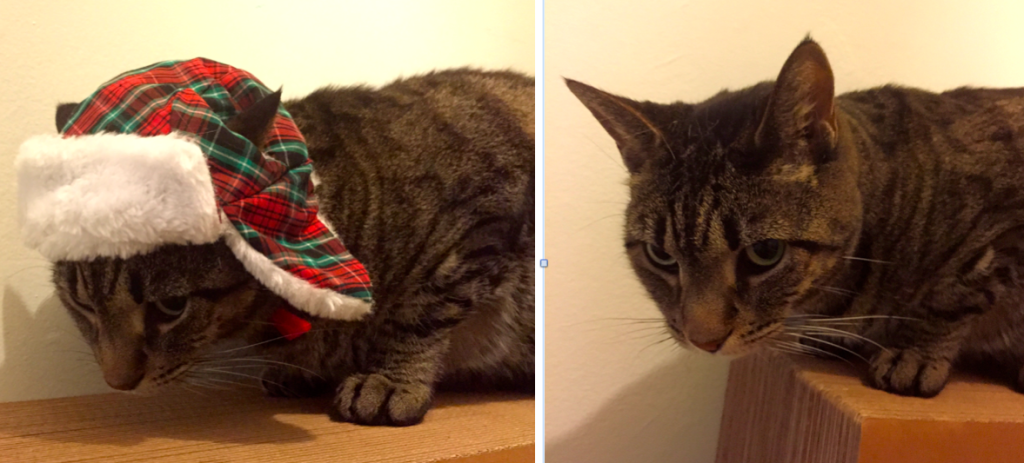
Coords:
pixel 124 381
pixel 712 345
pixel 124 366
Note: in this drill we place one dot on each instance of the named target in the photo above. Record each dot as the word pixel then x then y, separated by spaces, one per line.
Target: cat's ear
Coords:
pixel 801 112
pixel 64 113
pixel 255 121
pixel 636 137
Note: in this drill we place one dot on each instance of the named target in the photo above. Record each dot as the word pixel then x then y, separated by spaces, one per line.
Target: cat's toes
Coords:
pixel 278 382
pixel 908 372
pixel 375 399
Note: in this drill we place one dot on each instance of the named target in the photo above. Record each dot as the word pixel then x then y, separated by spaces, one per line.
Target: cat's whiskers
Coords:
pixel 834 290
pixel 617 214
pixel 814 318
pixel 645 329
pixel 788 346
pixel 862 259
pixel 221 371
pixel 250 345
pixel 194 391
pixel 638 337
pixel 659 341
pixel 629 319
pixel 834 332
pixel 256 361
pixel 832 344
pixel 619 321
pixel 200 381
pixel 810 350
pixel 235 383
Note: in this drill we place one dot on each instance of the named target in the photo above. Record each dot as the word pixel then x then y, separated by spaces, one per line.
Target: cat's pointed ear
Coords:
pixel 636 137
pixel 254 122
pixel 64 113
pixel 801 112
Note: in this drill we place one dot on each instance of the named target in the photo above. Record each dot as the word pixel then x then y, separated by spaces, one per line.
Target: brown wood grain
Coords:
pixel 797 409
pixel 223 426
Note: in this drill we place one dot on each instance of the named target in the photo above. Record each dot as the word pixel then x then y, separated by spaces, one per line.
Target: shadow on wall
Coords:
pixel 44 355
pixel 632 426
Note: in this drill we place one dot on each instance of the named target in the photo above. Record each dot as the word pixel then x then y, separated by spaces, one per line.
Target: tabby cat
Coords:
pixel 429 182
pixel 887 223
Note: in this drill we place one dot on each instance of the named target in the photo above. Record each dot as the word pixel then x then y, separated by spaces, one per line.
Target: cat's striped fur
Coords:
pixel 886 223
pixel 429 182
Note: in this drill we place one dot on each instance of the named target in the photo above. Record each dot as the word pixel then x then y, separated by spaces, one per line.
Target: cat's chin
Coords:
pixel 729 350
pixel 146 389
pixel 734 352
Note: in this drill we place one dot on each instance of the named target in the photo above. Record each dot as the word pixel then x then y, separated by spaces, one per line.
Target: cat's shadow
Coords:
pixel 225 417
pixel 661 416
pixel 43 354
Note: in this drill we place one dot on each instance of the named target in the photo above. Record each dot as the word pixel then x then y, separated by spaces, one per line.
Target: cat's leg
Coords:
pixel 923 345
pixel 996 342
pixel 395 383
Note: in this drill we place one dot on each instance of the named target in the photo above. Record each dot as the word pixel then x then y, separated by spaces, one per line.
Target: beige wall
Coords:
pixel 609 397
pixel 62 50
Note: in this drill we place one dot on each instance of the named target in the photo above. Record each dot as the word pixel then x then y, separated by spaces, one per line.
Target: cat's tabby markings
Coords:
pixel 886 223
pixel 429 181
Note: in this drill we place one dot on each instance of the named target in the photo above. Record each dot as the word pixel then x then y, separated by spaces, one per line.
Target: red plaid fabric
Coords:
pixel 266 195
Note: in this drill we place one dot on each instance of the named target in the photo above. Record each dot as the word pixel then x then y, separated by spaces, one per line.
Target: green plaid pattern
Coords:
pixel 267 195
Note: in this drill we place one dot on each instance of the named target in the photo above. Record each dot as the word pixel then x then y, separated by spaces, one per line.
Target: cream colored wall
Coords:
pixel 611 396
pixel 59 51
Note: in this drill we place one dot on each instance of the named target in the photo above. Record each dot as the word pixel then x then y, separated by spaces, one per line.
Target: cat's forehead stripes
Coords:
pixel 78 286
pixel 93 283
pixel 700 217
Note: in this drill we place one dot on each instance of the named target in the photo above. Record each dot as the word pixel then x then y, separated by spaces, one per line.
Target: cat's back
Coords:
pixel 465 98
pixel 979 124
pixel 413 169
pixel 420 115
pixel 454 130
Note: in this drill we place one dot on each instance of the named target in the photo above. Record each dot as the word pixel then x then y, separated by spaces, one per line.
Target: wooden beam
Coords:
pixel 241 425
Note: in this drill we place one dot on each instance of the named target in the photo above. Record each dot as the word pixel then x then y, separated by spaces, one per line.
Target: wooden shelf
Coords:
pixel 244 426
pixel 791 409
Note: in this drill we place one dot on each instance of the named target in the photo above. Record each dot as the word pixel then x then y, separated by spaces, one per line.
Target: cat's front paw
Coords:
pixel 280 382
pixel 908 372
pixel 374 399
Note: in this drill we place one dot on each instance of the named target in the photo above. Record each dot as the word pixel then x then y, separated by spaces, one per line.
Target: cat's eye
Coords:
pixel 659 257
pixel 765 254
pixel 172 307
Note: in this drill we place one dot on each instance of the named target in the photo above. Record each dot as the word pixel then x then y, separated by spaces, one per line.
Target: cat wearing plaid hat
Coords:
pixel 190 244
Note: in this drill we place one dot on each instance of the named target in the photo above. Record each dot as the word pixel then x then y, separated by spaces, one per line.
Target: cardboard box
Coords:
pixel 789 409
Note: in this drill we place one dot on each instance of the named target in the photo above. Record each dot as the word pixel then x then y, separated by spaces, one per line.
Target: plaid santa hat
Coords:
pixel 149 159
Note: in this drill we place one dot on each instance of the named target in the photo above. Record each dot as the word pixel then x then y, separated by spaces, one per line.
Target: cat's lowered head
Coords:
pixel 884 222
pixel 429 182
pixel 737 203
pixel 151 318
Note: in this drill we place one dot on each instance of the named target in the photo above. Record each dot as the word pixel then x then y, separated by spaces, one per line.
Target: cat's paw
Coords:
pixel 280 382
pixel 908 372
pixel 375 399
